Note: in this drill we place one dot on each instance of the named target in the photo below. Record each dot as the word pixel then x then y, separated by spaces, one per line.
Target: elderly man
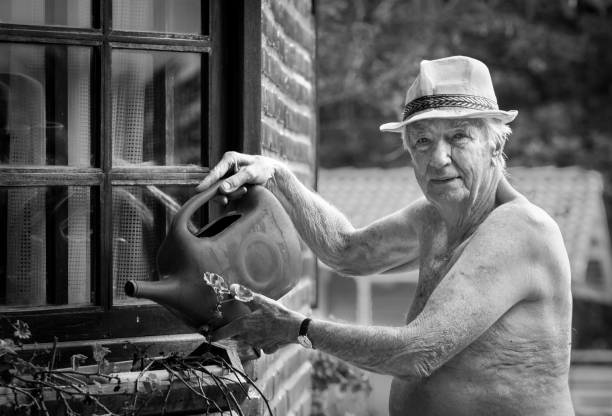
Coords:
pixel 488 332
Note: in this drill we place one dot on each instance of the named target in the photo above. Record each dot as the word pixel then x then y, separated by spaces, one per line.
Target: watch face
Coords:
pixel 304 341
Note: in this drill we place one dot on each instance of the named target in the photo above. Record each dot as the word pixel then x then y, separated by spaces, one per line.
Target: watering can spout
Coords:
pixel 193 301
pixel 186 299
pixel 162 290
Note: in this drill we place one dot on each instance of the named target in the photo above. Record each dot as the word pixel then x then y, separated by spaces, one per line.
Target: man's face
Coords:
pixel 452 158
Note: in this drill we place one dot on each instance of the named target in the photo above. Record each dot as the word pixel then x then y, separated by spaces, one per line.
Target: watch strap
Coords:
pixel 304 327
pixel 302 337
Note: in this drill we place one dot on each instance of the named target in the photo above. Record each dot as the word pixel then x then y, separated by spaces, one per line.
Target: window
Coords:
pixel 110 112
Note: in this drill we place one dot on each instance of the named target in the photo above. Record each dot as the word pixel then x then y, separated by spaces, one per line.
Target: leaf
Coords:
pixel 147 385
pixel 99 352
pixel 154 382
pixel 76 360
pixel 7 346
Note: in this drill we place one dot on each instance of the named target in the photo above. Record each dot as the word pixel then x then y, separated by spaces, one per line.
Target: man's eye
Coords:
pixel 422 141
pixel 459 136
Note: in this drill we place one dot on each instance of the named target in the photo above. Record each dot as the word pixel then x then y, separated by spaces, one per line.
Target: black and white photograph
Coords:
pixel 305 207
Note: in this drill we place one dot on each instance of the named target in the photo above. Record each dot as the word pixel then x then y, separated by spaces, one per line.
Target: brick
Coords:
pixel 301 406
pixel 301 383
pixel 282 405
pixel 288 133
pixel 303 7
pixel 284 143
pixel 291 388
pixel 282 108
pixel 298 27
pixel 303 171
pixel 276 134
pixel 286 78
pixel 292 54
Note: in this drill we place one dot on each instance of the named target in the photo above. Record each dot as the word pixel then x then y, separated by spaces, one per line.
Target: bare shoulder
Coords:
pixel 525 221
pixel 412 216
pixel 515 211
pixel 538 237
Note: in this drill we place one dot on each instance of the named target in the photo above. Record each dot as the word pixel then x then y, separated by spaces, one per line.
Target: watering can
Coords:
pixel 253 243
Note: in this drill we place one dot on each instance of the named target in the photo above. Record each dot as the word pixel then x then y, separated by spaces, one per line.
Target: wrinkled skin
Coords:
pixel 488 332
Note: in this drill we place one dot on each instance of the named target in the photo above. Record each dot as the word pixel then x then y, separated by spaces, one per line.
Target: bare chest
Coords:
pixel 437 258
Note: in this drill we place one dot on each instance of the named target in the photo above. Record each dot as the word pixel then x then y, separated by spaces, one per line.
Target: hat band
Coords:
pixel 472 102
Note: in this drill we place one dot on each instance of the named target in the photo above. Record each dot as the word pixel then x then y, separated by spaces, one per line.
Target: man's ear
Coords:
pixel 496 149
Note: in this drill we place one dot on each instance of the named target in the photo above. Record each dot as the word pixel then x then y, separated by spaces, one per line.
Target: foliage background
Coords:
pixel 549 59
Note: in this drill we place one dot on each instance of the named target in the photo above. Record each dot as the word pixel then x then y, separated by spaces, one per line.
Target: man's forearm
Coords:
pixel 324 229
pixel 395 351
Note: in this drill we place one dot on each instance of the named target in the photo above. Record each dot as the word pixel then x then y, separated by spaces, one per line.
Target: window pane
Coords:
pixel 174 16
pixel 156 108
pixel 45 99
pixel 45 245
pixel 141 216
pixel 74 13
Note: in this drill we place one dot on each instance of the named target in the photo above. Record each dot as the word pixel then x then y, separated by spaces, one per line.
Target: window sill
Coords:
pixel 170 389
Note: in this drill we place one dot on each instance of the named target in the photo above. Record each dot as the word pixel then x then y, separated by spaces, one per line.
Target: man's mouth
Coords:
pixel 443 180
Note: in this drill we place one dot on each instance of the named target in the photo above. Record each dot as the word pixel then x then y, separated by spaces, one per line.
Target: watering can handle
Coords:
pixel 189 208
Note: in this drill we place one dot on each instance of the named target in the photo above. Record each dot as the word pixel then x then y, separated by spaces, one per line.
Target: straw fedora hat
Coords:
pixel 453 87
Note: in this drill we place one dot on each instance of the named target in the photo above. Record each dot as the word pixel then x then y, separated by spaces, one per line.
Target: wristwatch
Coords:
pixel 302 338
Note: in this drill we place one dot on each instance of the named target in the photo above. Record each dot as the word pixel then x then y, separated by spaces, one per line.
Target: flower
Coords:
pixel 22 330
pixel 217 282
pixel 241 293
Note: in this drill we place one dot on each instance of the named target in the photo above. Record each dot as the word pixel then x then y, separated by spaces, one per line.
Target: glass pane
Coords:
pixel 74 13
pixel 45 245
pixel 141 216
pixel 157 108
pixel 45 100
pixel 174 16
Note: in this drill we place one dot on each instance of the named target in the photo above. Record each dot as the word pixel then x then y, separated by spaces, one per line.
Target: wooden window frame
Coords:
pixel 230 67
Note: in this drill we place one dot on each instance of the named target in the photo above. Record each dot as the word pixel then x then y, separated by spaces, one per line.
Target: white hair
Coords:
pixel 493 129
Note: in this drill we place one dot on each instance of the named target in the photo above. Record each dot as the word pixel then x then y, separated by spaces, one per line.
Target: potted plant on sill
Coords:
pixel 210 380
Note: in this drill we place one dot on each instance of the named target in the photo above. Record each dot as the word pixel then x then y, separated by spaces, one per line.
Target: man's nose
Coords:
pixel 441 155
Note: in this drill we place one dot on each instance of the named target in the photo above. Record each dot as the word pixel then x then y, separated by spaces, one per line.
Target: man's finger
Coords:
pixel 224 165
pixel 234 182
pixel 260 301
pixel 224 199
pixel 220 199
pixel 238 193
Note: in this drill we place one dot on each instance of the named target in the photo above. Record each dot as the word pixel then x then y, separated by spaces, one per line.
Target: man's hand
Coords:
pixel 269 327
pixel 244 169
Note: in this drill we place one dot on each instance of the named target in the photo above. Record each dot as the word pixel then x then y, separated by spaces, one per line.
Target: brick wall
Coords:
pixel 288 120
pixel 288 133
pixel 285 376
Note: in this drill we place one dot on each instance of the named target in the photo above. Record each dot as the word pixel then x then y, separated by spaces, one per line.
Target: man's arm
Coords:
pixel 502 265
pixel 385 244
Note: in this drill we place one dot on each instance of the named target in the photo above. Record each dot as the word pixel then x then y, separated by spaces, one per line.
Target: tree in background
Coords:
pixel 549 59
